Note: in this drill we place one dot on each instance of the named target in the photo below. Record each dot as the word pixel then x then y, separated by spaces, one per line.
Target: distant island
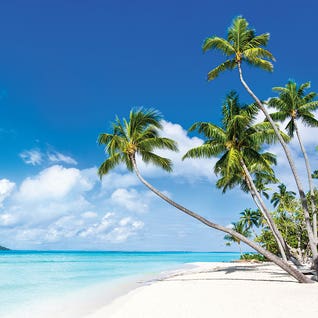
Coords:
pixel 4 248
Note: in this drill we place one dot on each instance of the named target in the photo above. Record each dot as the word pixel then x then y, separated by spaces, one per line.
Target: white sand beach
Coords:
pixel 218 290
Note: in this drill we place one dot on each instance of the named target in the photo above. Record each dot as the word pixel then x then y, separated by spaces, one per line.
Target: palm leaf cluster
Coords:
pixel 240 45
pixel 139 135
pixel 294 103
pixel 238 227
pixel 239 138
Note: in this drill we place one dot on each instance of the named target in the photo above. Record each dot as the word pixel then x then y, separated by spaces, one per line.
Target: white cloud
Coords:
pixel 89 215
pixel 36 157
pixel 112 230
pixel 190 170
pixel 7 219
pixel 33 157
pixel 127 227
pixel 56 157
pixel 130 199
pixel 67 204
pixel 114 180
pixel 53 183
pixel 6 188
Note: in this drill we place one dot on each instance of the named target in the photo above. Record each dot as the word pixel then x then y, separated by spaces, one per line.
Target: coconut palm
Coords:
pixel 139 136
pixel 261 179
pixel 242 45
pixel 283 199
pixel 239 143
pixel 294 104
pixel 238 227
pixel 250 218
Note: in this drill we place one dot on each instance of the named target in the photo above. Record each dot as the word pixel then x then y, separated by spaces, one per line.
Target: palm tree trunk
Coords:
pixel 311 187
pixel 312 241
pixel 239 244
pixel 279 262
pixel 254 232
pixel 278 237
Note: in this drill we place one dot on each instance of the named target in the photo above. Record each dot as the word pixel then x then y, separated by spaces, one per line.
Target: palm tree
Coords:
pixel 239 143
pixel 294 104
pixel 242 45
pixel 250 218
pixel 283 199
pixel 238 227
pixel 262 179
pixel 140 136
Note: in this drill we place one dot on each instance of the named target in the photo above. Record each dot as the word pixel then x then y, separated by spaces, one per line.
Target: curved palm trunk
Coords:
pixel 282 246
pixel 312 241
pixel 282 264
pixel 311 186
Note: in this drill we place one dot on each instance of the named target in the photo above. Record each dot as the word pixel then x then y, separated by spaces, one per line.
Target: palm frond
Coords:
pixel 104 138
pixel 257 52
pixel 219 44
pixel 309 120
pixel 209 130
pixel 158 143
pixel 290 128
pixel 279 116
pixel 258 62
pixel 239 33
pixel 309 106
pixel 142 118
pixel 110 164
pixel 156 160
pixel 302 88
pixel 259 40
pixel 204 151
pixel 227 65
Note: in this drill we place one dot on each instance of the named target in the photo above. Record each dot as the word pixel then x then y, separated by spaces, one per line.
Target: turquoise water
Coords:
pixel 26 276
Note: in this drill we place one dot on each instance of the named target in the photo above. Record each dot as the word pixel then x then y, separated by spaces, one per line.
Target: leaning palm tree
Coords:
pixel 242 45
pixel 139 136
pixel 239 143
pixel 238 227
pixel 294 104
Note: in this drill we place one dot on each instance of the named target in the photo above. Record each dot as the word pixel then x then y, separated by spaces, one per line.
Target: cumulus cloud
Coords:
pixel 114 180
pixel 53 183
pixel 110 229
pixel 130 199
pixel 32 157
pixel 189 170
pixel 67 204
pixel 6 188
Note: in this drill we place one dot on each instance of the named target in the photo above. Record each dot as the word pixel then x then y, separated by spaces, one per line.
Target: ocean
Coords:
pixel 33 280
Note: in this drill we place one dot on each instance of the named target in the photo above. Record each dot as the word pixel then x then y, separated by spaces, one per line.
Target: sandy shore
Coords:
pixel 218 290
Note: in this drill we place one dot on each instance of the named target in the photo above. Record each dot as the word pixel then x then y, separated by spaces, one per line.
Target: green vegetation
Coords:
pixel 288 229
pixel 253 257
pixel 238 227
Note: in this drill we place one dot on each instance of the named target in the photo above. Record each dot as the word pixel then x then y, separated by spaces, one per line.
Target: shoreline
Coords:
pixel 224 289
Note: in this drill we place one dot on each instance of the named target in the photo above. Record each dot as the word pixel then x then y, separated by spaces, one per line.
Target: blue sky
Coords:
pixel 67 67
